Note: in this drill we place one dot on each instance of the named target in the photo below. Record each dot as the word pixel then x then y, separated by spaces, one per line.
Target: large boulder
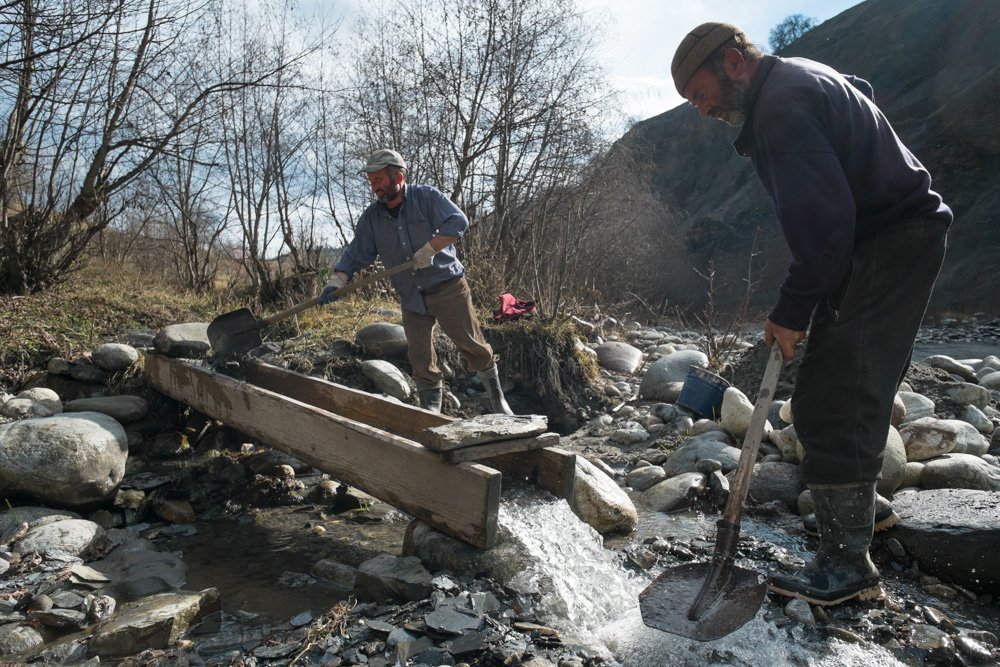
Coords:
pixel 659 379
pixel 72 460
pixel 600 502
pixel 619 357
pixel 382 339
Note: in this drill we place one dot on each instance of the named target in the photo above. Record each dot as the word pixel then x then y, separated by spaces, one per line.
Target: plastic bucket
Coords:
pixel 702 392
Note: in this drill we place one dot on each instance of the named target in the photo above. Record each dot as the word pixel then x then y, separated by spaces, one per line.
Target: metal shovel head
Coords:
pixel 727 598
pixel 234 333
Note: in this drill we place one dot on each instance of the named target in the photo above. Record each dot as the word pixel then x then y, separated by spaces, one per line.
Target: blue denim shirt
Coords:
pixel 425 212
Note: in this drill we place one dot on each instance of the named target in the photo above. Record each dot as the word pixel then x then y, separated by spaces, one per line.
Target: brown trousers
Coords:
pixel 448 304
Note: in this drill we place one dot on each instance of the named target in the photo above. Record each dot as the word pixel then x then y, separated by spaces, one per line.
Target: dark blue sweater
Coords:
pixel 835 169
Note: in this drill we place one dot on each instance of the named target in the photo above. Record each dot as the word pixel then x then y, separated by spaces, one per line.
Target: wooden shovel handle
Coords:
pixel 751 442
pixel 346 289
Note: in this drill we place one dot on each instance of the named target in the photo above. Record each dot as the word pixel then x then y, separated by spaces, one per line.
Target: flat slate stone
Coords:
pixel 953 533
pixel 483 429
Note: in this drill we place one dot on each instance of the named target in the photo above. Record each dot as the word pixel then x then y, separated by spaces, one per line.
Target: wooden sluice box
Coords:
pixel 373 444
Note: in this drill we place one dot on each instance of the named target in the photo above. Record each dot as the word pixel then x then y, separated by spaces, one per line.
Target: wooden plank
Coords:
pixel 554 469
pixel 551 468
pixel 490 449
pixel 407 421
pixel 484 429
pixel 460 500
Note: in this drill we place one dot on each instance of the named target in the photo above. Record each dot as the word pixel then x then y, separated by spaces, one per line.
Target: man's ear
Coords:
pixel 399 176
pixel 734 63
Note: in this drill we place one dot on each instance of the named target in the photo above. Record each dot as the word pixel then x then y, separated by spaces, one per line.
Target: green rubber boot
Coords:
pixel 842 569
pixel 885 517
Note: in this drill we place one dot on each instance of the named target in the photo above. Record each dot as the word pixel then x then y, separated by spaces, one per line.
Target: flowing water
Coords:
pixel 593 599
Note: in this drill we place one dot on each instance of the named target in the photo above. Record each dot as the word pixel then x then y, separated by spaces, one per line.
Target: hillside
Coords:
pixel 931 65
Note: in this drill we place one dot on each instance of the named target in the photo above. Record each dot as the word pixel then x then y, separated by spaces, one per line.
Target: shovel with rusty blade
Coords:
pixel 239 331
pixel 705 601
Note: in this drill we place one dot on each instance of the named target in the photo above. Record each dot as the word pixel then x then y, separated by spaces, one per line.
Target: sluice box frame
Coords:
pixel 371 443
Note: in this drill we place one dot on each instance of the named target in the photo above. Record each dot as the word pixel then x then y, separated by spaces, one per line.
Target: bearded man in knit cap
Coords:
pixel 867 237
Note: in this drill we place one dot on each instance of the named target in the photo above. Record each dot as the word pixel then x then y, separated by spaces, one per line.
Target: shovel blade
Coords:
pixel 668 602
pixel 234 333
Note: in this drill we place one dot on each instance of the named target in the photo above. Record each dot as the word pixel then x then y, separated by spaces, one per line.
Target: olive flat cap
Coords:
pixel 381 159
pixel 695 49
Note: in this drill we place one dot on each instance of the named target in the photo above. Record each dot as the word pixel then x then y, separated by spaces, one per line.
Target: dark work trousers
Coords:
pixel 450 305
pixel 858 350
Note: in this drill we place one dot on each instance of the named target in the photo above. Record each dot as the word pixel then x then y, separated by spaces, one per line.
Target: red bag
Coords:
pixel 512 309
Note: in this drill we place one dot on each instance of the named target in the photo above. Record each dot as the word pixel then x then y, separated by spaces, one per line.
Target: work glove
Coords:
pixel 424 257
pixel 327 295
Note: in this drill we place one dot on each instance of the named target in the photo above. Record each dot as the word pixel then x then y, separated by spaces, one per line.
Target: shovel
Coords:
pixel 705 601
pixel 239 331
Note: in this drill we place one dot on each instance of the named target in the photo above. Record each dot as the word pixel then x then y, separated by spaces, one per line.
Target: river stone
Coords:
pixel 77 537
pixel 973 415
pixel 659 379
pixel 84 371
pixel 775 480
pixel 960 471
pixel 387 377
pixel 736 412
pixel 619 357
pixel 16 638
pixel 23 408
pixel 382 339
pixel 442 552
pixel 600 502
pixel 911 475
pixel 154 622
pixel 11 520
pixel 953 533
pixel 709 445
pixel 950 365
pixel 893 464
pixel 917 406
pixel 45 396
pixel 644 477
pixel 125 409
pixel 388 577
pixel 928 435
pixel 114 357
pixel 674 494
pixel 340 574
pixel 188 340
pixel 966 393
pixel 70 460
pixel 991 381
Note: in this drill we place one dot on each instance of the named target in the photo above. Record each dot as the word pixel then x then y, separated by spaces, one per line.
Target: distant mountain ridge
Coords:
pixel 936 76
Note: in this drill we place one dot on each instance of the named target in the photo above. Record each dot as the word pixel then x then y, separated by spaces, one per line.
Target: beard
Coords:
pixel 389 193
pixel 733 106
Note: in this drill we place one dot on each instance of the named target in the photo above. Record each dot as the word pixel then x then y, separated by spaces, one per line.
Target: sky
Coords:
pixel 640 36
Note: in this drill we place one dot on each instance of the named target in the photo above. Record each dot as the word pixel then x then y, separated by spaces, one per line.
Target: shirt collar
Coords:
pixel 742 143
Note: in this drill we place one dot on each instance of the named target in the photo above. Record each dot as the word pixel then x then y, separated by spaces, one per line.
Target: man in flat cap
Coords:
pixel 418 223
pixel 867 237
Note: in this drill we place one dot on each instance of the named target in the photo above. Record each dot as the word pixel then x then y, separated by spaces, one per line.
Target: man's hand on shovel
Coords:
pixel 328 295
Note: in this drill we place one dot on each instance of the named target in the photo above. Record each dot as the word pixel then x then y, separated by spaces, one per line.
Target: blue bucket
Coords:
pixel 702 392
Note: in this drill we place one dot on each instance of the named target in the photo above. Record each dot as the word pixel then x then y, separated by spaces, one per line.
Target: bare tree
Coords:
pixel 790 29
pixel 98 89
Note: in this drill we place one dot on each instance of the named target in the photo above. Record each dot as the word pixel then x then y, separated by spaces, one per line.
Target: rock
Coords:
pixel 483 429
pixel 960 471
pixel 619 357
pixel 17 639
pixel 917 406
pixel 84 371
pixel 929 437
pixel 188 340
pixel 953 533
pixel 443 552
pixel 387 377
pixel 137 572
pixel 775 481
pixel 642 478
pixel 387 577
pixel 11 519
pixel 77 537
pixel 949 365
pixel 893 464
pixel 154 622
pixel 600 502
pixel 676 493
pixel 340 574
pixel 736 412
pixel 23 408
pixel 911 475
pixel 659 379
pixel 124 409
pixel 382 339
pixel 966 393
pixel 973 415
pixel 70 460
pixel 114 357
pixel 45 396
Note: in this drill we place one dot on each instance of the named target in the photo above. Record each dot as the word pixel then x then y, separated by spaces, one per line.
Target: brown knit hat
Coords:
pixel 695 49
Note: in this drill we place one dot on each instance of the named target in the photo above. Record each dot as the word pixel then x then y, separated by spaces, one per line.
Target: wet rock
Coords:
pixel 443 552
pixel 137 573
pixel 77 537
pixel 16 639
pixel 153 622
pixel 953 534
pixel 386 577
pixel 642 478
pixel 600 502
pixel 340 574
pixel 452 621
pixel 776 481
pixel 676 493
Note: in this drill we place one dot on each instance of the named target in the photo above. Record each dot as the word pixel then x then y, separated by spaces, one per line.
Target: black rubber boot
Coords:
pixel 885 517
pixel 842 569
pixel 491 380
pixel 430 397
